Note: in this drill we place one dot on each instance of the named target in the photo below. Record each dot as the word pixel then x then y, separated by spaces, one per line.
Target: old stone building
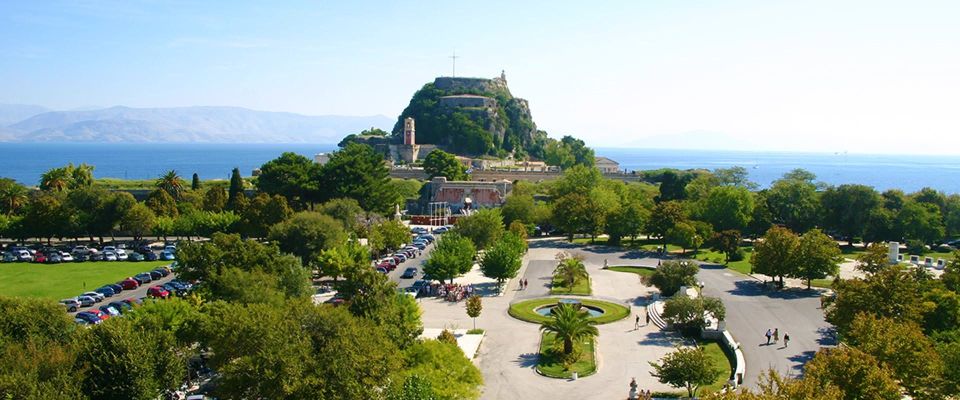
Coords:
pixel 462 196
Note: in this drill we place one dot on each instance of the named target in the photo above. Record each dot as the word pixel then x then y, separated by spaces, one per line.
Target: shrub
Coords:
pixel 447 337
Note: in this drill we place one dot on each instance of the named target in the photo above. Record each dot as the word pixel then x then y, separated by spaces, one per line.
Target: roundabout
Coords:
pixel 537 310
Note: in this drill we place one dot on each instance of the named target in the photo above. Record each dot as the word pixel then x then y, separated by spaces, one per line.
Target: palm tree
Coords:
pixel 570 324
pixel 171 183
pixel 570 271
pixel 83 175
pixel 12 195
pixel 57 179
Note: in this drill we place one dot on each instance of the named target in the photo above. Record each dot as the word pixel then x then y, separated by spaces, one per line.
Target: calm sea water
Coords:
pixel 26 161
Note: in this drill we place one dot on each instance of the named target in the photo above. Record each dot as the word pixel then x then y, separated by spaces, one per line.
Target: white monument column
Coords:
pixel 894 253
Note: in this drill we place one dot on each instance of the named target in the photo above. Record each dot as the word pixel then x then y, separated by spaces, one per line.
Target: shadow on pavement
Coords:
pixel 712 266
pixel 658 339
pixel 800 359
pixel 528 360
pixel 828 336
pixel 552 244
pixel 755 288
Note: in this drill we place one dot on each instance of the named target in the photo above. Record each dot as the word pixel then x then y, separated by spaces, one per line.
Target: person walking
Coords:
pixel 786 339
pixel 636 325
pixel 776 335
pixel 768 335
pixel 648 318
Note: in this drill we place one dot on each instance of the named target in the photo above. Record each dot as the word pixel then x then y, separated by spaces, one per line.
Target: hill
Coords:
pixel 13 113
pixel 473 116
pixel 186 124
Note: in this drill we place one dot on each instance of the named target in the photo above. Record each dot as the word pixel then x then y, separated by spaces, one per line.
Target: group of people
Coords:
pixel 450 292
pixel 775 335
pixel 636 325
pixel 641 395
pixel 523 283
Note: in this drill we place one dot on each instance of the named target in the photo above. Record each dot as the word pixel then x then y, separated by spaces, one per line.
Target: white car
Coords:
pixel 109 248
pixel 170 248
pixel 66 257
pixel 86 300
pixel 71 304
pixel 109 256
pixel 96 296
pixel 23 255
pixel 121 254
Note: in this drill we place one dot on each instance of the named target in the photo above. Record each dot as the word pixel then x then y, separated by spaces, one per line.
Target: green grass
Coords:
pixel 581 288
pixel 550 363
pixel 150 184
pixel 641 271
pixel 822 283
pixel 60 281
pixel 477 331
pixel 742 266
pixel 526 310
pixel 714 350
pixel 639 244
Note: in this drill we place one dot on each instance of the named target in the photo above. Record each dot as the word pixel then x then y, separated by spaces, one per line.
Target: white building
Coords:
pixel 607 165
pixel 321 158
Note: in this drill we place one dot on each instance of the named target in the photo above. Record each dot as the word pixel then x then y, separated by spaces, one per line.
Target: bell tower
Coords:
pixel 409 131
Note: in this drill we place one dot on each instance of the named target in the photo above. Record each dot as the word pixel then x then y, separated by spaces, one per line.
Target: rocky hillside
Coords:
pixel 473 116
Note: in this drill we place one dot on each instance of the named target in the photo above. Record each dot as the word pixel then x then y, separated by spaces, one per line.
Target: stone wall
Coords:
pixel 467 101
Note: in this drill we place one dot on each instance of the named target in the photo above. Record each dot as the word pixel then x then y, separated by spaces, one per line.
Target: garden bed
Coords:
pixel 551 364
pixel 527 310
pixel 581 288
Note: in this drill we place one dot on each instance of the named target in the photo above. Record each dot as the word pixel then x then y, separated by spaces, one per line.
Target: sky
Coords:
pixel 827 76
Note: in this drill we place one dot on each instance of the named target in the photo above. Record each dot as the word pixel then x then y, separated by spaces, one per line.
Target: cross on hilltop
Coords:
pixel 454 57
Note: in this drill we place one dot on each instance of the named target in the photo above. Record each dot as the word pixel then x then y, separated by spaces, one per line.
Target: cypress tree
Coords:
pixel 236 184
pixel 196 182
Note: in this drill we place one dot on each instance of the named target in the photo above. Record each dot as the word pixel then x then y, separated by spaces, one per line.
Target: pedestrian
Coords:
pixel 786 339
pixel 768 334
pixel 604 263
pixel 636 324
pixel 648 319
pixel 524 283
pixel 776 335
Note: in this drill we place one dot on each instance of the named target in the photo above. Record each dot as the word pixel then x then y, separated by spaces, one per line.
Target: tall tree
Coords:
pixel 82 176
pixel 236 185
pixel 793 202
pixel 854 372
pixel 441 163
pixel 728 207
pixel 920 221
pixel 358 172
pixel 13 196
pixel 138 221
pixel 289 176
pixel 818 256
pixel 452 257
pixel 306 234
pixel 502 260
pixel 847 209
pixel 162 203
pixel 484 227
pixel 776 254
pixel 195 182
pixel 172 183
pixel 570 324
pixel 671 275
pixel 687 367
pixel 57 179
pixel 665 216
pixel 892 292
pixel 215 199
pixel 728 243
pixel 673 186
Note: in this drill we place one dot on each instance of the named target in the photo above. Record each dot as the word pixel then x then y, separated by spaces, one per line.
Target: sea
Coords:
pixel 25 162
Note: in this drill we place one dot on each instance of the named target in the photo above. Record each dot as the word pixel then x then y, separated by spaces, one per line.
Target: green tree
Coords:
pixel 388 235
pixel 46 217
pixel 728 243
pixel 854 372
pixel 195 182
pixel 571 325
pixel 687 367
pixel 665 216
pixel 215 199
pixel 444 367
pixel 892 292
pixel 306 233
pixel 673 186
pixel 162 203
pixel 734 176
pixel 920 221
pixel 82 176
pixel 793 201
pixel 170 182
pixel 671 275
pixel 570 270
pixel 453 256
pixel 441 163
pixel 138 221
pixel 685 236
pixel 847 209
pixel 818 256
pixel 874 259
pixel 728 207
pixel 13 196
pixel 776 255
pixel 57 179
pixel 951 273
pixel 334 262
pixel 688 315
pixel 474 307
pixel 502 261
pixel 347 211
pixel 518 207
pixel 289 176
pixel 236 185
pixel 414 387
pixel 484 227
pixel 626 221
pixel 262 213
pixel 357 172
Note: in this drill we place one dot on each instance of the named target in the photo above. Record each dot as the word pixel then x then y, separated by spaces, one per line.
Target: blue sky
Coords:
pixel 857 76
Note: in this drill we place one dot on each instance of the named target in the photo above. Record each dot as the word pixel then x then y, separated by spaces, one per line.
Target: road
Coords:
pixel 135 293
pixel 416 263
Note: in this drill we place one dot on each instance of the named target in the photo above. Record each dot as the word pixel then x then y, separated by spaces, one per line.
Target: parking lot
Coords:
pixel 138 293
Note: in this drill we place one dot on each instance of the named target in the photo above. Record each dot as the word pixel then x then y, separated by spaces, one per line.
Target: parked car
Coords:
pixel 382 270
pixel 387 266
pixel 420 245
pixel 81 258
pixel 158 292
pixel 53 257
pixel 171 248
pixel 71 304
pixel 80 250
pixel 167 255
pixel 143 278
pixel 150 256
pixel 9 257
pixel 155 275
pixel 133 302
pixel 134 256
pixel 409 273
pixel 66 257
pixel 96 256
pixel 129 284
pixel 143 249
pixel 96 296
pixel 23 255
pixel 121 306
pixel 164 271
pixel 121 254
pixel 39 258
pixel 105 291
pixel 418 230
pixel 116 288
pixel 98 313
pixel 441 230
pixel 86 301
pixel 109 256
pixel 400 256
pixel 88 317
pixel 110 310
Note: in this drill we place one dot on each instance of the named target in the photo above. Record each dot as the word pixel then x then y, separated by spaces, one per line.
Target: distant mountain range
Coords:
pixel 23 123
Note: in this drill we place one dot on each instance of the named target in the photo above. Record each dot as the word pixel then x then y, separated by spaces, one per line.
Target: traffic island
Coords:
pixel 537 310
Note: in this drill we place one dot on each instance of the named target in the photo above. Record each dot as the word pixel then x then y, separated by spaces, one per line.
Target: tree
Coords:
pixel 854 372
pixel 388 235
pixel 685 235
pixel 847 209
pixel 920 221
pixel 818 256
pixel 688 315
pixel 57 179
pixel 195 182
pixel 82 176
pixel 672 186
pixel 441 163
pixel 570 324
pixel 484 227
pixel 793 202
pixel 46 217
pixel 502 261
pixel 892 292
pixel 289 176
pixel 236 185
pixel 13 196
pixel 347 211
pixel 665 216
pixel 571 214
pixel 138 221
pixel 518 207
pixel 162 203
pixel 874 259
pixel 453 256
pixel 474 307
pixel 776 254
pixel 687 367
pixel 357 172
pixel 215 199
pixel 671 275
pixel 728 207
pixel 951 273
pixel 445 369
pixel 263 212
pixel 569 152
pixel 307 233
pixel 728 243
pixel 334 262
pixel 626 221
pixel 734 176
pixel 570 270
pixel 171 183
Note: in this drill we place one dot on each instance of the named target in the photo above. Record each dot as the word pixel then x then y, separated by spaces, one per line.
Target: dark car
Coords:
pixel 409 273
pixel 133 302
pixel 81 258
pixel 116 288
pixel 143 278
pixel 96 256
pixel 121 306
pixel 53 258
pixel 163 271
pixel 106 291
pixel 144 249
pixel 155 275
pixel 9 257
pixel 88 317
pixel 134 256
pixel 150 256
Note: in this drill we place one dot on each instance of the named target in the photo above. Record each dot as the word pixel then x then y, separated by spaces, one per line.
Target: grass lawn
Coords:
pixel 639 244
pixel 715 352
pixel 581 288
pixel 742 266
pixel 526 310
pixel 60 281
pixel 641 271
pixel 550 360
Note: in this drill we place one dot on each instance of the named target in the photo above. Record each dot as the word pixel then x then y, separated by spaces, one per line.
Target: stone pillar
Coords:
pixel 894 253
pixel 409 131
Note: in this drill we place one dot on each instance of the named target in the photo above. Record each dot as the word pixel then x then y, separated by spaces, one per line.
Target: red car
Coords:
pixel 133 302
pixel 39 258
pixel 100 314
pixel 387 265
pixel 129 284
pixel 158 292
